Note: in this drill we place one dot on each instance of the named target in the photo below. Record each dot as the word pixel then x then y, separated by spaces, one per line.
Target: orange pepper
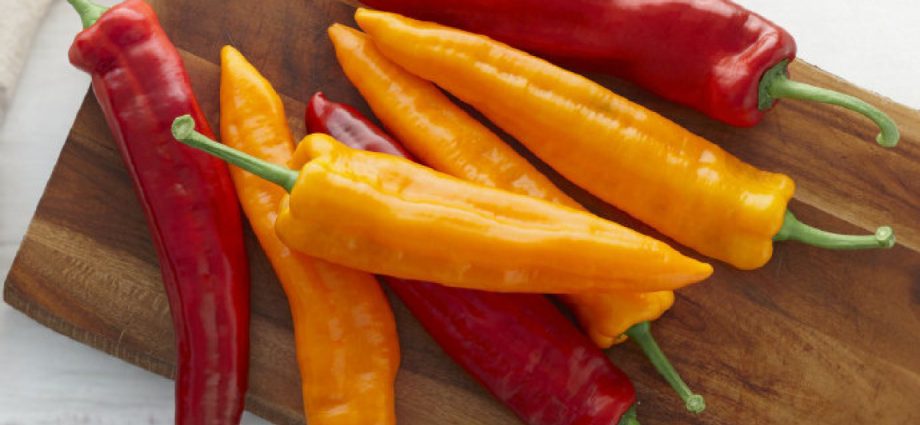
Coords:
pixel 442 135
pixel 677 182
pixel 346 341
pixel 391 216
pixel 448 139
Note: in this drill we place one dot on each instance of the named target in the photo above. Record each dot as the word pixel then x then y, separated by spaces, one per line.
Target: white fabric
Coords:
pixel 18 21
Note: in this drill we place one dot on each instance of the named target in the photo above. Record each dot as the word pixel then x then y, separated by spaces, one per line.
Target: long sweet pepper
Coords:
pixel 391 216
pixel 345 334
pixel 573 384
pixel 188 199
pixel 712 55
pixel 681 184
pixel 444 136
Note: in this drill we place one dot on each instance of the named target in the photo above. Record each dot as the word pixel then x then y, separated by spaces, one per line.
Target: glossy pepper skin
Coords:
pixel 448 139
pixel 681 184
pixel 381 214
pixel 189 202
pixel 573 384
pixel 345 334
pixel 708 54
pixel 340 120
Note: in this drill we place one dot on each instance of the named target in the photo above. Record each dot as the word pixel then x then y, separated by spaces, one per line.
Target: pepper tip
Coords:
pixel 183 127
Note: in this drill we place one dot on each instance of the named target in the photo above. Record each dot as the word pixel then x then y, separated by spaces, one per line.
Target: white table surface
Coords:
pixel 46 378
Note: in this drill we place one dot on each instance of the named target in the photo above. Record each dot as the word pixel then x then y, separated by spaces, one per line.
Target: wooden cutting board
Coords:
pixel 814 337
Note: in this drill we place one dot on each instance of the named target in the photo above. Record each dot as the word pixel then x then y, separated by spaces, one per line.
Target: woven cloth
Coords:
pixel 18 23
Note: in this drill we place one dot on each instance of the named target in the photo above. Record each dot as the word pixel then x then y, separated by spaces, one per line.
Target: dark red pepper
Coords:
pixel 342 121
pixel 712 55
pixel 520 347
pixel 188 199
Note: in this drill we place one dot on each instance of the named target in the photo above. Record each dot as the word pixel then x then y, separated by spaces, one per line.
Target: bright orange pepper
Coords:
pixel 448 139
pixel 347 347
pixel 390 216
pixel 442 134
pixel 677 182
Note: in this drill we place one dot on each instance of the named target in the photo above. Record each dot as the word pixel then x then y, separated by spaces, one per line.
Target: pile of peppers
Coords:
pixel 467 233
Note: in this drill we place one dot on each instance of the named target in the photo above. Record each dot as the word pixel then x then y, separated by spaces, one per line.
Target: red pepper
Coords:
pixel 188 199
pixel 712 55
pixel 518 346
pixel 341 120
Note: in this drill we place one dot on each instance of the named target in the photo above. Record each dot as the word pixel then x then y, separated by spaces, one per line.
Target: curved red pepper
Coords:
pixel 188 199
pixel 518 346
pixel 709 54
pixel 712 55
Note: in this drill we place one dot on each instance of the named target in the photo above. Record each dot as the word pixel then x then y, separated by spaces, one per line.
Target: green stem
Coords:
pixel 795 230
pixel 641 333
pixel 776 84
pixel 183 129
pixel 89 11
pixel 629 418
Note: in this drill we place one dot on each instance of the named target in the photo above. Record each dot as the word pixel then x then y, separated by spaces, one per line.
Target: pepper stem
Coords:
pixel 89 11
pixel 629 418
pixel 776 84
pixel 183 129
pixel 795 230
pixel 641 333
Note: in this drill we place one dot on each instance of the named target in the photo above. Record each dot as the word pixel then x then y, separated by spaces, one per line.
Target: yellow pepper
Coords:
pixel 390 216
pixel 655 170
pixel 345 334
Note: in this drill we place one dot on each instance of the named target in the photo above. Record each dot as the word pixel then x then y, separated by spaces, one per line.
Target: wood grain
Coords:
pixel 814 337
